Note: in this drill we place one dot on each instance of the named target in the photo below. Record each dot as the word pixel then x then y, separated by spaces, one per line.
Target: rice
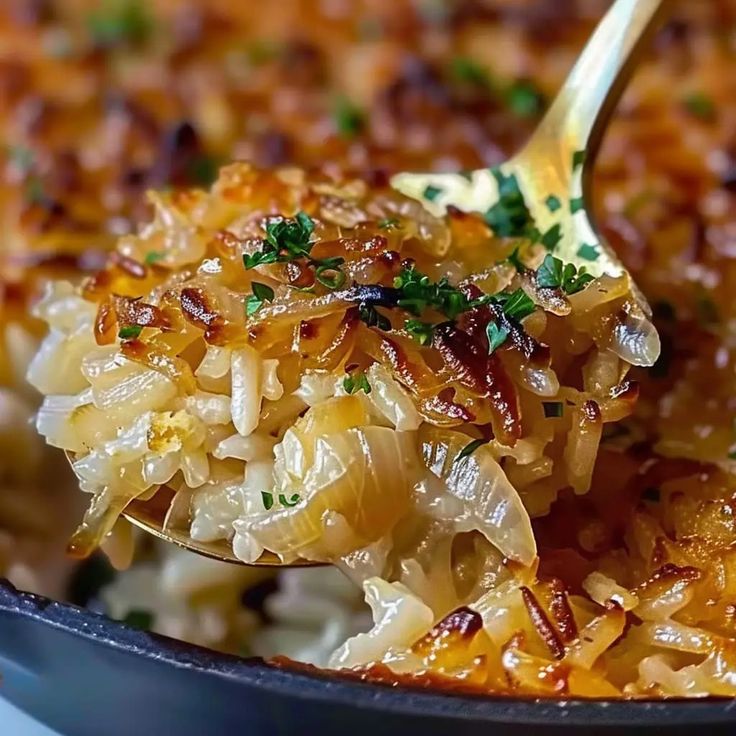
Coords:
pixel 312 415
pixel 659 505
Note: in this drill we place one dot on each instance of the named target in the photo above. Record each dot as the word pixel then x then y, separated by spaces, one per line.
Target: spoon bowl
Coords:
pixel 552 172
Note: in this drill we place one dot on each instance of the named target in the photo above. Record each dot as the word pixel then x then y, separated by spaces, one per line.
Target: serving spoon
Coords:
pixel 553 170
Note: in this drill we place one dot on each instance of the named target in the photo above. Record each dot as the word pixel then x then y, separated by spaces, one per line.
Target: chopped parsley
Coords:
pixel 356 382
pixel 510 217
pixel 139 619
pixel 551 239
pixel 373 318
pixel 202 170
pixel 432 192
pixel 496 336
pixel 261 293
pixel 524 99
pixel 552 409
pixel 268 500
pixel 700 106
pixel 588 252
pixel 577 204
pixel 349 119
pixel 418 292
pixel 422 332
pixel 578 159
pixel 291 239
pixel 130 332
pixel 120 22
pixel 469 449
pixel 554 274
pixel 153 256
pixel 465 69
pixel 516 305
pixel 553 203
pixel 261 51
pixel 389 223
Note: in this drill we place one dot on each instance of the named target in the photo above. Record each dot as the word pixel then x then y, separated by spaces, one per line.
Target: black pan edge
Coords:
pixel 330 689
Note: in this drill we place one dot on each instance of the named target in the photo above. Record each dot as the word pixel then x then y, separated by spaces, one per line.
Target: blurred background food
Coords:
pixel 101 101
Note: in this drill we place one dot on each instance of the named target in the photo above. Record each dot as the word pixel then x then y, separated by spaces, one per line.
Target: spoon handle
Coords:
pixel 578 116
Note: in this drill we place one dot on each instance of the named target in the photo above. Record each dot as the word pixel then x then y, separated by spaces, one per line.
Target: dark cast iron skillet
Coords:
pixel 86 675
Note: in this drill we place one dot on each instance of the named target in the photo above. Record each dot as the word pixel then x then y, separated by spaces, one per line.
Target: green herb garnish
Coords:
pixel 356 382
pixel 551 239
pixel 516 305
pixel 349 119
pixel 373 318
pixel 588 252
pixel 389 223
pixel 553 203
pixel 552 409
pixel 289 502
pixel 120 22
pixel 432 192
pixel 139 619
pixel 153 256
pixel 510 217
pixel 261 293
pixel 469 449
pixel 578 159
pixel 202 170
pixel 467 70
pixel 267 498
pixel 496 336
pixel 328 272
pixel 576 204
pixel 130 332
pixel 554 274
pixel 524 99
pixel 422 332
pixel 700 105
pixel 418 292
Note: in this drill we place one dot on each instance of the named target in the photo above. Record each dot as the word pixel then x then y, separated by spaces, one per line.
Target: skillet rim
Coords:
pixel 329 688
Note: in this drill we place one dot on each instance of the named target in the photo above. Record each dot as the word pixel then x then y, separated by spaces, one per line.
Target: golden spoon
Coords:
pixel 551 164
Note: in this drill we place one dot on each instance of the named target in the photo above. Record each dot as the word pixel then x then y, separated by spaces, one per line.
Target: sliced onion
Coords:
pixel 391 400
pixel 400 618
pixel 490 504
pixel 337 467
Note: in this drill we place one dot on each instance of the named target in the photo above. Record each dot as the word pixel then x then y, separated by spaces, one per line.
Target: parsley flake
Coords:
pixel 389 223
pixel 578 159
pixel 700 106
pixel 120 22
pixel 553 274
pixel 576 204
pixel 356 382
pixel 373 318
pixel 588 252
pixel 551 239
pixel 496 337
pixel 130 332
pixel 153 256
pixel 432 192
pixel 524 99
pixel 469 449
pixel 470 71
pixel 422 332
pixel 267 498
pixel 516 305
pixel 510 217
pixel 553 203
pixel 261 293
pixel 349 119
